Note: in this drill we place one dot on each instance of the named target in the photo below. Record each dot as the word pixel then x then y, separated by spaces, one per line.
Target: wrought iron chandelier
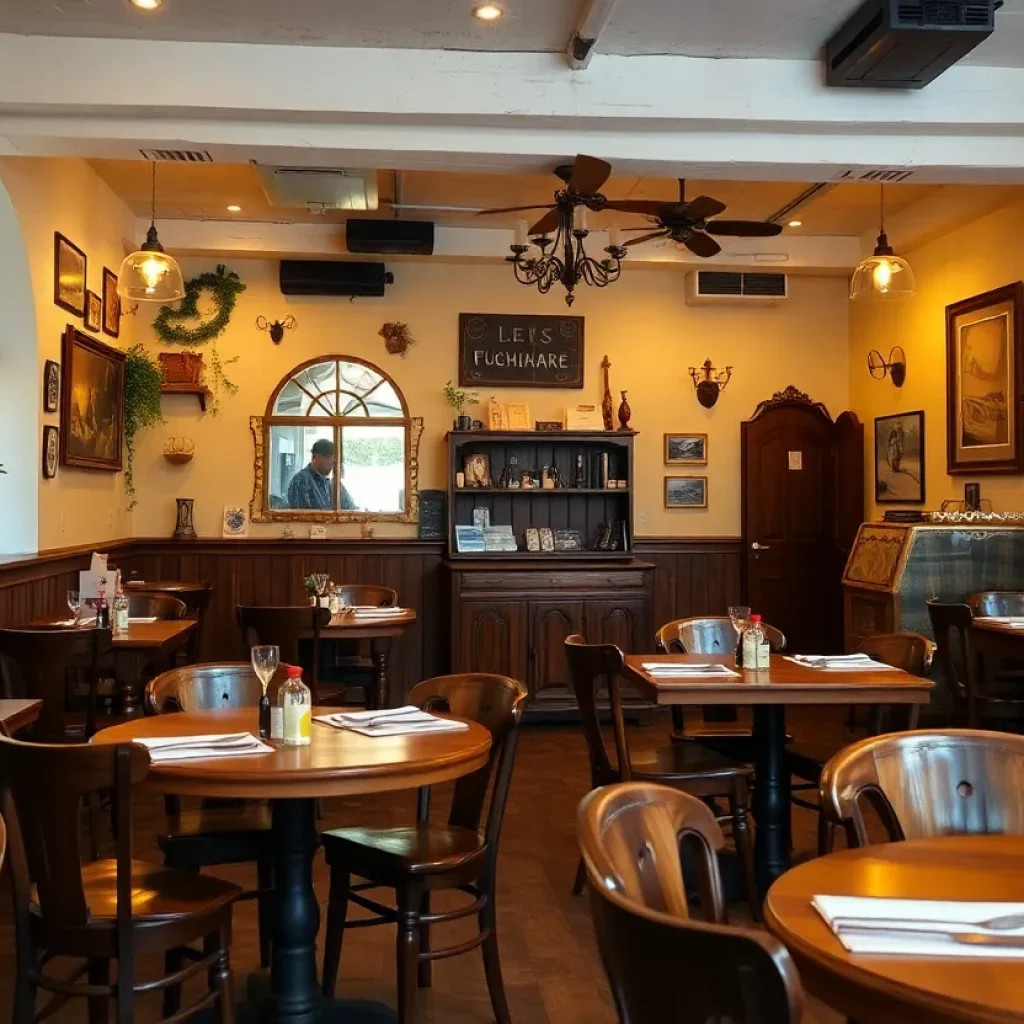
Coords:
pixel 563 258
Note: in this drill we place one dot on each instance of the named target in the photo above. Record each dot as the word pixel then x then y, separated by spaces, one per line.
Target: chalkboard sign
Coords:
pixel 520 351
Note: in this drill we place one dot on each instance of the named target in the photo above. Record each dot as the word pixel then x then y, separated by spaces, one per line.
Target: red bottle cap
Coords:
pixel 293 671
pixel 755 618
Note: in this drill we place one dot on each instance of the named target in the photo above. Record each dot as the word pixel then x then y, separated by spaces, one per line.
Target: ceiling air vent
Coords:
pixel 319 189
pixel 177 156
pixel 883 175
pixel 705 287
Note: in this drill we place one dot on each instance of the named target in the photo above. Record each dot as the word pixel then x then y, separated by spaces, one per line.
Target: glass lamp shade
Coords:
pixel 150 275
pixel 882 275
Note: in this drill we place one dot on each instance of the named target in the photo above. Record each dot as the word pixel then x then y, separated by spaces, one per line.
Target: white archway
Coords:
pixel 20 436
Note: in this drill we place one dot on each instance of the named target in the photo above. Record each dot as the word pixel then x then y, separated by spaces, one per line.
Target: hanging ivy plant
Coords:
pixel 225 286
pixel 142 380
pixel 217 380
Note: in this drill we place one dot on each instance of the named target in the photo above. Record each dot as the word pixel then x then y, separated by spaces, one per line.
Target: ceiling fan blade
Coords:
pixel 651 207
pixel 546 224
pixel 743 228
pixel 701 245
pixel 702 207
pixel 644 238
pixel 589 174
pixel 512 209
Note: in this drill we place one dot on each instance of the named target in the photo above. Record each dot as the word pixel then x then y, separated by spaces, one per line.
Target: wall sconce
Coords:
pixel 896 367
pixel 711 384
pixel 276 327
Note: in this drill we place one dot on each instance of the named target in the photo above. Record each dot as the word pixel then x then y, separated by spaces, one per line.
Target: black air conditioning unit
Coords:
pixel 904 44
pixel 333 277
pixel 390 237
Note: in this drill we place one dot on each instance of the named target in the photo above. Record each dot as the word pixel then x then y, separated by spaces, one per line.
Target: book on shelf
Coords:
pixel 499 538
pixel 469 539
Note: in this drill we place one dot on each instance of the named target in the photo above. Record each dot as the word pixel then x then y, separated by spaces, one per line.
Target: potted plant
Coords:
pixel 142 380
pixel 458 400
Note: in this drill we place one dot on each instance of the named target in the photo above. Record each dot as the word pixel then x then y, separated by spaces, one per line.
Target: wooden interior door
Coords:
pixel 789 492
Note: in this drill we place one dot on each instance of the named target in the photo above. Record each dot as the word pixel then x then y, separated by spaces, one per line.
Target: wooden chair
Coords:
pixel 218 832
pixel 925 784
pixel 196 598
pixel 367 594
pixel 346 660
pixel 156 606
pixel 720 726
pixel 35 663
pixel 976 701
pixel 997 603
pixel 686 766
pixel 662 965
pixel 107 910
pixel 423 858
pixel 287 628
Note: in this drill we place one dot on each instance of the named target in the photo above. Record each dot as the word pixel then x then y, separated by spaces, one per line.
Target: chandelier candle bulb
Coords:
pixel 614 238
pixel 521 233
pixel 579 218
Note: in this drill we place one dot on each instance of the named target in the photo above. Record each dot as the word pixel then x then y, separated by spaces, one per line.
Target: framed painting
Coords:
pixel 686 449
pixel 899 458
pixel 51 386
pixel 69 267
pixel 92 403
pixel 983 382
pixel 51 451
pixel 686 492
pixel 111 304
pixel 93 311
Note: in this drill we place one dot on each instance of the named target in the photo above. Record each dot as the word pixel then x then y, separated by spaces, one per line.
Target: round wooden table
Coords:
pixel 336 763
pixel 908 989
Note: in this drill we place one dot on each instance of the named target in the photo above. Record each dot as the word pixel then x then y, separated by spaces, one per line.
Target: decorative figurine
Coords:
pixel 579 480
pixel 527 480
pixel 508 474
pixel 624 413
pixel 606 402
pixel 549 478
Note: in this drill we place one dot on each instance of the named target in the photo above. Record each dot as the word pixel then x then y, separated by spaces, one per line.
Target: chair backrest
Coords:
pixel 661 965
pixel 911 652
pixel 284 627
pixel 44 786
pixel 712 634
pixel 367 594
pixel 951 624
pixel 156 606
pixel 925 784
pixel 34 663
pixel 229 684
pixel 589 665
pixel 997 603
pixel 497 703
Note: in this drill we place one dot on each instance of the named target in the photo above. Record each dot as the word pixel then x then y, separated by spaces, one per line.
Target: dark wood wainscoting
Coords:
pixel 692 577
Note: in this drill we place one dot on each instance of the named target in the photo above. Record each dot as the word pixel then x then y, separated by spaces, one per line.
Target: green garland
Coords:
pixel 225 286
pixel 142 380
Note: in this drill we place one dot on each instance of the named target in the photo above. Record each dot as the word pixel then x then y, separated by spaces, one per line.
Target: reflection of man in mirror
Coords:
pixel 311 486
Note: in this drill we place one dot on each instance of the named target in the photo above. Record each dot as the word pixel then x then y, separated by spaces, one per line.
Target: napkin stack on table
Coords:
pixel 186 748
pixel 404 721
pixel 685 669
pixel 850 662
pixel 141 618
pixel 894 927
pixel 369 611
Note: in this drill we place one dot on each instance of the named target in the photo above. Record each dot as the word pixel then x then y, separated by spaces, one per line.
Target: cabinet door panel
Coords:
pixel 623 623
pixel 493 638
pixel 551 622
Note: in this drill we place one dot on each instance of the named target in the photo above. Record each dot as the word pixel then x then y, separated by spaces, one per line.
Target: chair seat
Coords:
pixel 685 760
pixel 213 835
pixel 415 849
pixel 158 893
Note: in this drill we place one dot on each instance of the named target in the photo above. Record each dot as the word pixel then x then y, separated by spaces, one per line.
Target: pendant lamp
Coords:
pixel 883 274
pixel 150 275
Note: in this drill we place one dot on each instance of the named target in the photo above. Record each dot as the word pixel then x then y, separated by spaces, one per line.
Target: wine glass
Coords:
pixel 265 660
pixel 740 615
pixel 74 600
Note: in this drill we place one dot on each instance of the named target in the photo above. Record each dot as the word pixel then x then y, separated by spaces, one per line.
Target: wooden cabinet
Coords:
pixel 514 619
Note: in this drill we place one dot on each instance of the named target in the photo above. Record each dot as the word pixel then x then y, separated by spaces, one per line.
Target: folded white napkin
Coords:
pixel 142 618
pixel 369 609
pixel 401 721
pixel 679 668
pixel 184 748
pixel 849 662
pixel 896 927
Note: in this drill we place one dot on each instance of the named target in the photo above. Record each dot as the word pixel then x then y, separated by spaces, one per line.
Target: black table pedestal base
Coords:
pixel 771 795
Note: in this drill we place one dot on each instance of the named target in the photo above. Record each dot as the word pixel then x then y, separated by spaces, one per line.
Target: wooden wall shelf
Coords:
pixel 199 390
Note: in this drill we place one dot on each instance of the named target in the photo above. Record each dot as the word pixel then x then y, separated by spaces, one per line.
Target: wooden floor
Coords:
pixel 550 963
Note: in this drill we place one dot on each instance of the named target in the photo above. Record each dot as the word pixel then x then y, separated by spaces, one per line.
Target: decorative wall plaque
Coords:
pixel 518 350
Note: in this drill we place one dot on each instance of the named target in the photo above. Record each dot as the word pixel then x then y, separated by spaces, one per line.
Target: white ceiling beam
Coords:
pixel 593 21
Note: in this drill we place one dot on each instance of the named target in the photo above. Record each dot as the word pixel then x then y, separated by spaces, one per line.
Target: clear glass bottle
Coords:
pixel 753 638
pixel 296 703
pixel 121 611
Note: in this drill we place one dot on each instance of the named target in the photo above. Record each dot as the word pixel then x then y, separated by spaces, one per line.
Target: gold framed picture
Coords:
pixel 686 449
pixel 111 304
pixel 517 417
pixel 69 266
pixel 686 492
pixel 93 311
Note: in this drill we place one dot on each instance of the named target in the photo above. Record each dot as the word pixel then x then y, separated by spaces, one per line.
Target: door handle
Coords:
pixel 760 547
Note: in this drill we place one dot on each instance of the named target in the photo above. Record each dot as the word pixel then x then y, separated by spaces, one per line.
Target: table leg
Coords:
pixel 379 649
pixel 771 794
pixel 128 668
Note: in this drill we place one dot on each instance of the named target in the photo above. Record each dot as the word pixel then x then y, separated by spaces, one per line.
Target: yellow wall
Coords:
pixel 78 506
pixel 642 323
pixel 974 259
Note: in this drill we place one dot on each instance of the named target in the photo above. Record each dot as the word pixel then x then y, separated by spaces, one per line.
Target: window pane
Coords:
pixel 384 401
pixel 293 481
pixel 292 401
pixel 356 377
pixel 373 468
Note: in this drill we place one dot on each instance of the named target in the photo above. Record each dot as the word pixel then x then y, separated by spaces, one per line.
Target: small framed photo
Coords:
pixel 51 386
pixel 686 492
pixel 51 452
pixel 532 539
pixel 567 540
pixel 93 311
pixel 69 266
pixel 482 517
pixel 111 304
pixel 899 458
pixel 972 497
pixel 547 538
pixel 477 469
pixel 517 417
pixel 686 449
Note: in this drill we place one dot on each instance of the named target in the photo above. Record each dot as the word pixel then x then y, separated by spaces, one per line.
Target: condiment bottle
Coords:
pixel 296 704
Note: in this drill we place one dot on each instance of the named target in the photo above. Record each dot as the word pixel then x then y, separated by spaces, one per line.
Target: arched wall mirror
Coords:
pixel 336 445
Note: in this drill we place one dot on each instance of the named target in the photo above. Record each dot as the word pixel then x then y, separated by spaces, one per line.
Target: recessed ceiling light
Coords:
pixel 234 209
pixel 488 12
pixel 795 223
pixel 148 5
